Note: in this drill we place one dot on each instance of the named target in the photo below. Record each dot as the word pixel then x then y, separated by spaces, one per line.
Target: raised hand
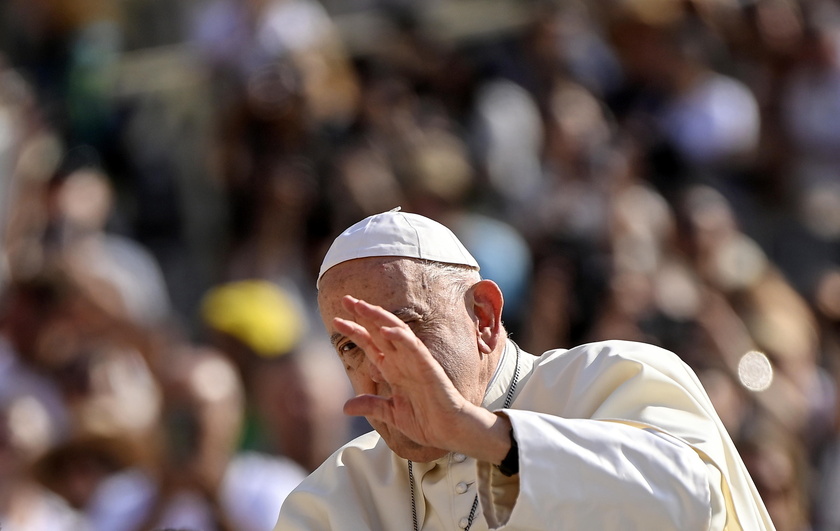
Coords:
pixel 417 399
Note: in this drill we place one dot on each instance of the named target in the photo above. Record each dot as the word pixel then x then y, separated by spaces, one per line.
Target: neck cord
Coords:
pixel 508 401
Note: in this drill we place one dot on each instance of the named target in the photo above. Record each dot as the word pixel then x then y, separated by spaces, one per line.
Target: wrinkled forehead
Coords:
pixel 384 281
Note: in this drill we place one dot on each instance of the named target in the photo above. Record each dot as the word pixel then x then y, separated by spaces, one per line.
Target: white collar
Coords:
pixel 497 388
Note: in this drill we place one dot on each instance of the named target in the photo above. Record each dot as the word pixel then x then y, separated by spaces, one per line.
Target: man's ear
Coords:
pixel 487 302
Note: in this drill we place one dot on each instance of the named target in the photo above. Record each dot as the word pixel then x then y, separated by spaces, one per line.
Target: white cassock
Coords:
pixel 612 436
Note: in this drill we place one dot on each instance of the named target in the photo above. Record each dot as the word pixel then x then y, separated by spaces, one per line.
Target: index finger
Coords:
pixel 370 315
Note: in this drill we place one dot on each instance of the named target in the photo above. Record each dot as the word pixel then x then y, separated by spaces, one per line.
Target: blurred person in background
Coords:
pixel 809 114
pixel 80 204
pixel 774 318
pixel 151 424
pixel 282 88
pixel 210 481
pixel 27 309
pixel 568 216
pixel 293 390
pixel 702 125
pixel 826 514
pixel 26 504
pixel 188 474
pixel 104 380
pixel 70 52
pixel 781 472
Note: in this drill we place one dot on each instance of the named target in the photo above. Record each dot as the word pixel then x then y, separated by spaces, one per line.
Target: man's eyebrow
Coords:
pixel 407 313
pixel 335 338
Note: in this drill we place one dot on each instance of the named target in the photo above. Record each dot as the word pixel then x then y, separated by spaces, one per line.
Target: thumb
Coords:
pixel 371 406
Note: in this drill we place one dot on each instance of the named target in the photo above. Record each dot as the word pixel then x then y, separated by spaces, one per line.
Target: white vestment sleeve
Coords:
pixel 589 474
pixel 612 436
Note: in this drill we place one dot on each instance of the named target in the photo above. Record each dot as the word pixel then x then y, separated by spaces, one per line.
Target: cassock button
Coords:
pixel 459 457
pixel 461 488
pixel 464 522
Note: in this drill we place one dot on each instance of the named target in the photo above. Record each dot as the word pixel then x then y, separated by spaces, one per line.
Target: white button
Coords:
pixel 461 488
pixel 459 458
pixel 464 522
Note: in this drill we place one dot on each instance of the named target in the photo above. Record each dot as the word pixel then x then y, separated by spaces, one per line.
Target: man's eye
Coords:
pixel 350 355
pixel 346 347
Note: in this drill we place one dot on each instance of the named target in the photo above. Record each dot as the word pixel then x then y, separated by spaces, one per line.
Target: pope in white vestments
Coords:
pixel 612 435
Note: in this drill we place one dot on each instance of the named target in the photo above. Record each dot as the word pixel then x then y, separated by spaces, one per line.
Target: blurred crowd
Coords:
pixel 172 172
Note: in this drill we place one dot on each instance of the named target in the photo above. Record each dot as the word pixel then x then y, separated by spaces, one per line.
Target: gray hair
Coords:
pixel 452 279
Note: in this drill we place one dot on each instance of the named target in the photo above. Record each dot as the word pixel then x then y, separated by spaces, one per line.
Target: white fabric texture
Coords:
pixel 612 436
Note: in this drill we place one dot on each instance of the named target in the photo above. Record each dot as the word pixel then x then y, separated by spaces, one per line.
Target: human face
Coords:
pixel 442 320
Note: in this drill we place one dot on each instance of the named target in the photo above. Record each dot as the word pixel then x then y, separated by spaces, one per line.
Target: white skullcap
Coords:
pixel 396 233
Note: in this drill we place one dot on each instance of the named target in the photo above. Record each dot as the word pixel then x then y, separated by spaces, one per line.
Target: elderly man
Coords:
pixel 473 433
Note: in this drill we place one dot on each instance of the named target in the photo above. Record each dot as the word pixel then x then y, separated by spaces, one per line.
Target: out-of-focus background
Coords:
pixel 171 172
